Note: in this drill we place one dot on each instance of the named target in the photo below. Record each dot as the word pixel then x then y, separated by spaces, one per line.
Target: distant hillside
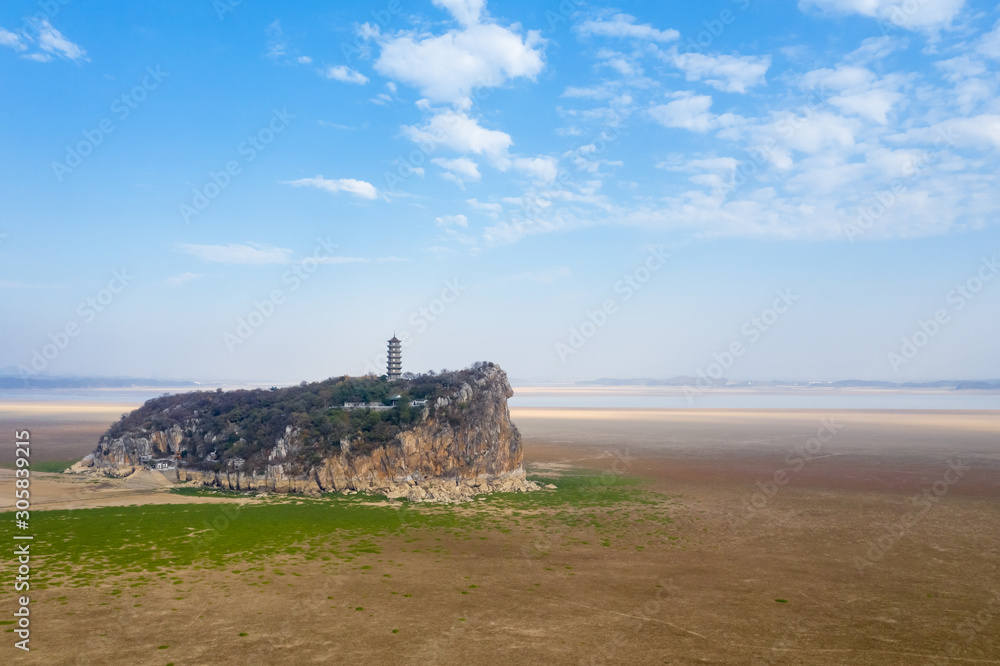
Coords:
pixel 958 384
pixel 10 380
pixel 682 380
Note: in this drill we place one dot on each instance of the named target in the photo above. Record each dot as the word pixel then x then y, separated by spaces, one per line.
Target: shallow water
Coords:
pixel 881 400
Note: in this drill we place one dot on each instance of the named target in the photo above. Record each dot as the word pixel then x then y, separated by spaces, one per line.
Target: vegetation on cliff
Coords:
pixel 246 424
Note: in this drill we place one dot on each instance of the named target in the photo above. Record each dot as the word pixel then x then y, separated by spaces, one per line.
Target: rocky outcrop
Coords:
pixel 122 455
pixel 463 445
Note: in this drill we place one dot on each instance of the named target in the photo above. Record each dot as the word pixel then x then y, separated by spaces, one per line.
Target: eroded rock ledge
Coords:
pixel 462 444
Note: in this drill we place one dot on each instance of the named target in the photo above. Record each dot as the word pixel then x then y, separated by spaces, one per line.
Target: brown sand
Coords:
pixel 870 576
pixel 59 430
pixel 870 450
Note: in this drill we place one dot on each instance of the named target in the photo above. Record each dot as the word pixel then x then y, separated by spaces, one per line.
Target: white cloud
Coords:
pixel 360 188
pixel 542 168
pixel 690 113
pixel 47 38
pixel 461 166
pixel 712 172
pixel 861 92
pixel 180 279
pixel 623 25
pixel 453 221
pixel 588 92
pixel 12 40
pixel 842 78
pixel 276 46
pixel 250 253
pixel 278 49
pixel 728 73
pixel 459 132
pixel 909 14
pixel 341 260
pixel 872 104
pixel 448 68
pixel 619 62
pixel 866 127
pixel 714 164
pixel 345 74
pixel 989 45
pixel 875 49
pixel 980 131
pixel 545 276
pixel 811 133
pixel 961 67
pixel 52 41
pixel 491 209
pixel 466 12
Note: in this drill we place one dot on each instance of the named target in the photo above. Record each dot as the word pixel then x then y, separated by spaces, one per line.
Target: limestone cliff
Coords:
pixel 458 443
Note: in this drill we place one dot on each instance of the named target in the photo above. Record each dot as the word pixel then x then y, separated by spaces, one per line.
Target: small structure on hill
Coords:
pixel 395 363
pixel 163 463
pixel 374 406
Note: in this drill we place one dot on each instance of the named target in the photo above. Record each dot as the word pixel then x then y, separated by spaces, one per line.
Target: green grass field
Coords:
pixel 77 547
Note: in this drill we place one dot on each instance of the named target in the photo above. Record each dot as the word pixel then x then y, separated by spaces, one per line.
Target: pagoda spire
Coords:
pixel 394 367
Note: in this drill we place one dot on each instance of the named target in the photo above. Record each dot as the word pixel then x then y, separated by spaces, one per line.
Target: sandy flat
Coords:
pixel 574 390
pixel 490 597
pixel 870 450
pixel 11 409
pixel 76 491
pixel 985 421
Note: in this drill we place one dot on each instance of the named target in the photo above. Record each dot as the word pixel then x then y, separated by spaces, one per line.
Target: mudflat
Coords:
pixel 674 536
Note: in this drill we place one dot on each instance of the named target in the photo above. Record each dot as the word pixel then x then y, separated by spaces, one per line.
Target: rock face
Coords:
pixel 463 445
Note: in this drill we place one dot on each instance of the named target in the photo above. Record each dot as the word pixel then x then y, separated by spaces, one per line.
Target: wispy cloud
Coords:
pixel 52 41
pixel 325 123
pixel 342 260
pixel 345 74
pixel 276 45
pixel 278 48
pixel 623 25
pixel 491 209
pixel 175 280
pixel 46 38
pixel 924 15
pixel 12 40
pixel 544 276
pixel 19 284
pixel 235 253
pixel 357 260
pixel 359 188
pixel 453 221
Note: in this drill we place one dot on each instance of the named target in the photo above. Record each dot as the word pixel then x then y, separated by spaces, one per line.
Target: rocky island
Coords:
pixel 429 437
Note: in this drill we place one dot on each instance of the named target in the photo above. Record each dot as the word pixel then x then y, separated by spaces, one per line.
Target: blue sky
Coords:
pixel 263 191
